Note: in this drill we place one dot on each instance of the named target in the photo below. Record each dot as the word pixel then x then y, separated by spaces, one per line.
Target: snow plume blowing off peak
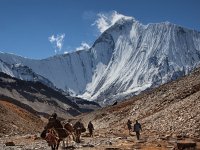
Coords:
pixel 106 20
pixel 127 58
pixel 84 46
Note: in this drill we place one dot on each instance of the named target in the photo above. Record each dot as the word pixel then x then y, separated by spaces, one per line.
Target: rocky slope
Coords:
pixel 17 121
pixel 170 110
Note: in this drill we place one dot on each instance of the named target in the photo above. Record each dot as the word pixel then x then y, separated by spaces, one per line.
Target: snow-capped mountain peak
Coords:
pixel 127 58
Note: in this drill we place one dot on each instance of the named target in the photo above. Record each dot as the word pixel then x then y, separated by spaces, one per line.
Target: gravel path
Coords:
pixel 99 142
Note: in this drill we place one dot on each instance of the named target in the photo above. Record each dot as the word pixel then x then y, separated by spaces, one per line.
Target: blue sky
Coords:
pixel 42 28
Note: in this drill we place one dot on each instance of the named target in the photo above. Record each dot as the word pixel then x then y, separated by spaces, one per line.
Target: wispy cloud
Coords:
pixel 84 46
pixel 57 41
pixel 107 19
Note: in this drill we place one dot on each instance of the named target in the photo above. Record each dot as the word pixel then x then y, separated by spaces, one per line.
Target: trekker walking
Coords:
pixel 53 132
pixel 78 129
pixel 54 122
pixel 129 126
pixel 90 128
pixel 137 129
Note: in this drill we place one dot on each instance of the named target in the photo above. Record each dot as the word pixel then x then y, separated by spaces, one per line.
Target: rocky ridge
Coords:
pixel 40 99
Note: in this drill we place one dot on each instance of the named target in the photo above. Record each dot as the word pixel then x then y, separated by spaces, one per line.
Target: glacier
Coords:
pixel 126 59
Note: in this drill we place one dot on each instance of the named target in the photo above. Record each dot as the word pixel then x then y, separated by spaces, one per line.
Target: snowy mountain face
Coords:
pixel 24 73
pixel 127 58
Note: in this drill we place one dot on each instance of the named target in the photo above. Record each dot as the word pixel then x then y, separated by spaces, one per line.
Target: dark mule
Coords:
pixel 78 129
pixel 54 134
pixel 54 137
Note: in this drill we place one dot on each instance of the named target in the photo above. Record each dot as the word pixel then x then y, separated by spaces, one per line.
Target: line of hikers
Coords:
pixel 136 128
pixel 54 131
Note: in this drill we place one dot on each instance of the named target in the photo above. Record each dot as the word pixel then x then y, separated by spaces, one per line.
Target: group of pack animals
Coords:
pixel 54 132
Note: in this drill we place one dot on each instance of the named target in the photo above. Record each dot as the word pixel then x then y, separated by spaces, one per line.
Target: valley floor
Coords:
pixel 101 141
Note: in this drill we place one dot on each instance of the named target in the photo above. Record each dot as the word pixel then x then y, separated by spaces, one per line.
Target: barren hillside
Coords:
pixel 171 109
pixel 15 120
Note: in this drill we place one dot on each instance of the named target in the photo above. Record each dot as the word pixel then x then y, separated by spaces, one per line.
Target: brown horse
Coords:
pixel 52 139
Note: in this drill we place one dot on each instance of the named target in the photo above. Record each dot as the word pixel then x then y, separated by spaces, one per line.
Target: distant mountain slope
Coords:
pixel 126 59
pixel 24 73
pixel 169 110
pixel 39 98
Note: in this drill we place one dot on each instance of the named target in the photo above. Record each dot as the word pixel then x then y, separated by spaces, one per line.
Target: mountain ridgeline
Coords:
pixel 126 59
pixel 41 100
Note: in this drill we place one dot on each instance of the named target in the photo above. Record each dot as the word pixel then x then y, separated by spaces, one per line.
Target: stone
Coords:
pixel 10 143
pixel 185 144
pixel 112 149
pixel 158 145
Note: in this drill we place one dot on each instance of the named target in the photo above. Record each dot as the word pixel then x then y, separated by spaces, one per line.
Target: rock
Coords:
pixel 179 137
pixel 185 144
pixel 88 145
pixel 158 145
pixel 141 141
pixel 164 138
pixel 10 144
pixel 173 142
pixel 170 146
pixel 112 149
pixel 70 147
pixel 136 146
pixel 35 137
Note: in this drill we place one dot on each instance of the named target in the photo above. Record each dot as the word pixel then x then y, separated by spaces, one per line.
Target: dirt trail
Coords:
pixel 101 141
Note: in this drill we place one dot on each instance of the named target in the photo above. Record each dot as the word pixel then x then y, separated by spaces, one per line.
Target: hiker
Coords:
pixel 90 128
pixel 129 126
pixel 137 128
pixel 78 129
pixel 54 132
pixel 54 122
